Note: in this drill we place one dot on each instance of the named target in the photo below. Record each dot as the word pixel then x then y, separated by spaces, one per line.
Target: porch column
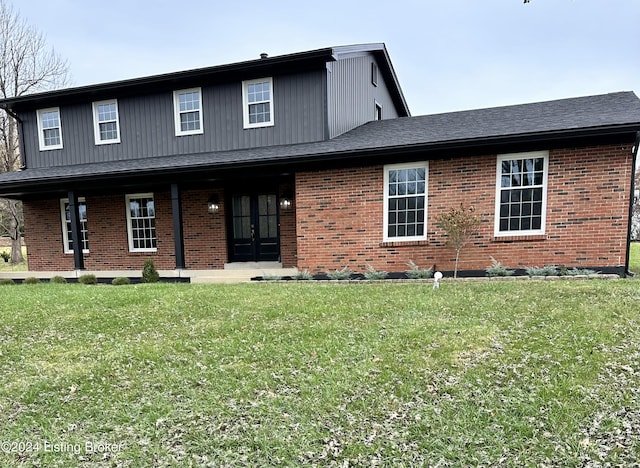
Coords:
pixel 178 239
pixel 76 230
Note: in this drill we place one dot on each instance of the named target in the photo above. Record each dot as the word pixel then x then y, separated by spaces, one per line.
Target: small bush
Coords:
pixel 149 272
pixel 271 277
pixel 497 269
pixel 31 280
pixel 88 279
pixel 58 280
pixel 343 274
pixel 6 282
pixel 122 281
pixel 303 275
pixel 581 271
pixel 5 255
pixel 373 274
pixel 416 272
pixel 547 270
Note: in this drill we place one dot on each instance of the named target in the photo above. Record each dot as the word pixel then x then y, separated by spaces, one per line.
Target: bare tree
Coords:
pixel 27 66
pixel 460 225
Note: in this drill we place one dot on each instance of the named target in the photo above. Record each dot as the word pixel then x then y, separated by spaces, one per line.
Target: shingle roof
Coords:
pixel 592 115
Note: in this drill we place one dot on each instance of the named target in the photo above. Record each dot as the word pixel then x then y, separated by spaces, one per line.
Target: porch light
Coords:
pixel 213 204
pixel 286 200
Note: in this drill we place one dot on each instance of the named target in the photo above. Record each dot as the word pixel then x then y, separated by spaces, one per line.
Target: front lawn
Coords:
pixel 489 373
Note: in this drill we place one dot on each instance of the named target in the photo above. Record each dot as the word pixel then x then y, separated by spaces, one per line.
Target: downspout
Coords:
pixel 23 156
pixel 631 203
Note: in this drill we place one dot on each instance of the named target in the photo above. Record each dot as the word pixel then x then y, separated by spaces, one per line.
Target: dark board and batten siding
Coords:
pixel 147 124
pixel 352 96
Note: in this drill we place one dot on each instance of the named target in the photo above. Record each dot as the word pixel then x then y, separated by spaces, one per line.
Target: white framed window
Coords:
pixel 49 129
pixel 67 237
pixel 521 193
pixel 141 222
pixel 106 124
pixel 257 100
pixel 187 105
pixel 405 201
pixel 377 115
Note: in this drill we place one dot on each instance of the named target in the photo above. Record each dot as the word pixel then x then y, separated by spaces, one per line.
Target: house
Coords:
pixel 312 161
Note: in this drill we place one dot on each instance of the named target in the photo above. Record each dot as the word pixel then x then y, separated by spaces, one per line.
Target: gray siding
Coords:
pixel 147 125
pixel 352 96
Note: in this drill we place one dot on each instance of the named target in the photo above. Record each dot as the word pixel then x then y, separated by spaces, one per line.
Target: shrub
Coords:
pixel 149 272
pixel 547 270
pixel 88 279
pixel 122 281
pixel 303 275
pixel 58 280
pixel 416 272
pixel 31 280
pixel 373 274
pixel 5 255
pixel 343 274
pixel 271 277
pixel 497 269
pixel 581 271
pixel 6 282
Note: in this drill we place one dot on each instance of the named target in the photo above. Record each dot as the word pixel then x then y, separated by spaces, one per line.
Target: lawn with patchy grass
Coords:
pixel 474 373
pixel 634 258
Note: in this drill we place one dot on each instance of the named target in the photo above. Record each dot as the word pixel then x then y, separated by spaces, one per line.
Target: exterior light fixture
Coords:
pixel 286 200
pixel 213 205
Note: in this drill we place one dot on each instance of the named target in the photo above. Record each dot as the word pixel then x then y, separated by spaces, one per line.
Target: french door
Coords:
pixel 254 229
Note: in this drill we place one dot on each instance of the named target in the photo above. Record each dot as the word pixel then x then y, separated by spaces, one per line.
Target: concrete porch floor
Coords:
pixel 232 273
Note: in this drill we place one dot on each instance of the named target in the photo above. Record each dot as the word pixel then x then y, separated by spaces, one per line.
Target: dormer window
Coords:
pixel 257 98
pixel 106 126
pixel 187 105
pixel 49 129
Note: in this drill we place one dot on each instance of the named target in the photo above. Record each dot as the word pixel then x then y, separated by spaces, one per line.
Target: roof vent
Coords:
pixel 264 55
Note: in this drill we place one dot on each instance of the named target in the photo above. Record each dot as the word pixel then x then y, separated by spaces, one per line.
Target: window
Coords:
pixel 374 74
pixel 67 237
pixel 378 111
pixel 188 111
pixel 521 193
pixel 257 97
pixel 141 222
pixel 106 126
pixel 405 202
pixel 49 129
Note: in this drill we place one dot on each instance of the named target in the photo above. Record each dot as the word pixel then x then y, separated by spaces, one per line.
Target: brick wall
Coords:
pixel 205 238
pixel 340 215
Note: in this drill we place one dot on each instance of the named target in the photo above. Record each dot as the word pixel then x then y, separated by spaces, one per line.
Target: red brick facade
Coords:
pixel 337 220
pixel 340 215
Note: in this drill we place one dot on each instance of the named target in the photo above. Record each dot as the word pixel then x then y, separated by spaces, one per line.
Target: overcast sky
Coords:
pixel 448 54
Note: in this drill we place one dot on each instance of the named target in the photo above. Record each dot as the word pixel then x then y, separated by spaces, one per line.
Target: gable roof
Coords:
pixel 289 63
pixel 615 115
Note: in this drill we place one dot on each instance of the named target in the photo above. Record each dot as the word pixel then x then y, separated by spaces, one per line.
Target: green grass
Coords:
pixel 522 373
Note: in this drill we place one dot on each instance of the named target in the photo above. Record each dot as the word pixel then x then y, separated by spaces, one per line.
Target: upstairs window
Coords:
pixel 187 105
pixel 106 126
pixel 141 222
pixel 257 97
pixel 405 202
pixel 67 236
pixel 521 193
pixel 49 129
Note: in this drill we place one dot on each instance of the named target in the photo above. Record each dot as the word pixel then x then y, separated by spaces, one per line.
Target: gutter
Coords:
pixel 627 272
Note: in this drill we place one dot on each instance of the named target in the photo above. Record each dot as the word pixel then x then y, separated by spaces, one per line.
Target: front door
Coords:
pixel 254 228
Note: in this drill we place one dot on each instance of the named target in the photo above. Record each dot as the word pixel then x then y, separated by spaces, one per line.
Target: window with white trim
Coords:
pixel 405 202
pixel 49 129
pixel 521 193
pixel 187 104
pixel 67 236
pixel 257 98
pixel 106 125
pixel 141 222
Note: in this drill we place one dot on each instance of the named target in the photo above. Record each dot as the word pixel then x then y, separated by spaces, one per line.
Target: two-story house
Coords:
pixel 311 161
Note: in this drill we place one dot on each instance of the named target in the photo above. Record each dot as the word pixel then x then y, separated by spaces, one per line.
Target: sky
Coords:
pixel 449 55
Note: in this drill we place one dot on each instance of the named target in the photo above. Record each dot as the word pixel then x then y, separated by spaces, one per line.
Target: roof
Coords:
pixel 289 63
pixel 615 115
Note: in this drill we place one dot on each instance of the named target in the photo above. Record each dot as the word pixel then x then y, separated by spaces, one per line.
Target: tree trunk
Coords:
pixel 14 232
pixel 455 270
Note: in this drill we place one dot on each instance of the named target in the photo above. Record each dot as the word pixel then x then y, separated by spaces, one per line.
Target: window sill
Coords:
pixel 526 238
pixel 404 243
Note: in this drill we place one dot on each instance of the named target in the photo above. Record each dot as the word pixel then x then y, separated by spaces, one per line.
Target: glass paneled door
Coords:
pixel 254 229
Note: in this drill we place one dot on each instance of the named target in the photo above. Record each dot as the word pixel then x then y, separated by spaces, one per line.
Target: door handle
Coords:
pixel 253 233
